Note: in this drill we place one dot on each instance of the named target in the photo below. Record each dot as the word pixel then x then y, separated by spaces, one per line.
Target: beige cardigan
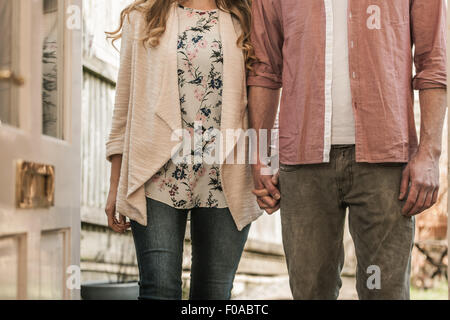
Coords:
pixel 147 112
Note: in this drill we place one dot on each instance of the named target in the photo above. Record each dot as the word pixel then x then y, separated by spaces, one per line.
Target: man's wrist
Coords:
pixel 431 152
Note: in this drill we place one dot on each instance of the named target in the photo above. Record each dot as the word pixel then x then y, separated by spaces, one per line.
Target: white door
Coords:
pixel 40 105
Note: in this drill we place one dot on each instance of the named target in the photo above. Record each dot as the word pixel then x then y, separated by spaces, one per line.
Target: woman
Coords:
pixel 183 69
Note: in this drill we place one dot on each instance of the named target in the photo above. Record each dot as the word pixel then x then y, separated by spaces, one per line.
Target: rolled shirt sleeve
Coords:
pixel 267 39
pixel 428 20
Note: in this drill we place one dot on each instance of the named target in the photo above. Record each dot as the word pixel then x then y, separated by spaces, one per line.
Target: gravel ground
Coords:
pixel 255 288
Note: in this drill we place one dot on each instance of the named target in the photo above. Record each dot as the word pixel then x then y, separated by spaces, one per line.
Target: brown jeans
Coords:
pixel 313 209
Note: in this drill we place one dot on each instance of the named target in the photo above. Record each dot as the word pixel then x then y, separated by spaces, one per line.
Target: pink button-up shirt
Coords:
pixel 293 41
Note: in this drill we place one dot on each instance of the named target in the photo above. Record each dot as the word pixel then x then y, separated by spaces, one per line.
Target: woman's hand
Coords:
pixel 118 225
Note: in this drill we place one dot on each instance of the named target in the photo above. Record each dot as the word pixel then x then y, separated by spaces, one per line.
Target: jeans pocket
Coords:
pixel 392 164
pixel 287 168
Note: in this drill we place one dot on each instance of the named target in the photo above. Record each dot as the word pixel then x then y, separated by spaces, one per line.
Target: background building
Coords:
pixel 262 274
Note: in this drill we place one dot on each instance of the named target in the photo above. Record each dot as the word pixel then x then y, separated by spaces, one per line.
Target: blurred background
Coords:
pixel 56 104
pixel 262 273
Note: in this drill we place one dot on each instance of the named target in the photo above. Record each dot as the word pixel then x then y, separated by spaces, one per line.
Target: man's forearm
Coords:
pixel 422 173
pixel 263 108
pixel 433 104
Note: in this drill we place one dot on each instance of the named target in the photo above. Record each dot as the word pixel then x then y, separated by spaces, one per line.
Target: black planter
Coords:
pixel 110 291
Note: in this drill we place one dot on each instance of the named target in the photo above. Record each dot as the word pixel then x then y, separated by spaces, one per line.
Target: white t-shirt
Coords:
pixel 343 123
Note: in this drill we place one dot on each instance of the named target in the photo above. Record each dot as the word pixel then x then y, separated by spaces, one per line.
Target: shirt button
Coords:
pixel 354 75
pixel 350 15
pixel 352 44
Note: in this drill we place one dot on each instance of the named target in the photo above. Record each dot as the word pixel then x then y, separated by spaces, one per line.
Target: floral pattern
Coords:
pixel 190 184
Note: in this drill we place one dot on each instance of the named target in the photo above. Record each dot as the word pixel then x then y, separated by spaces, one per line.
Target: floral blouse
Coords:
pixel 194 183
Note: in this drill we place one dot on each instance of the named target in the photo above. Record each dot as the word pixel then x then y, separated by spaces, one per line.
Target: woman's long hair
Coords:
pixel 156 13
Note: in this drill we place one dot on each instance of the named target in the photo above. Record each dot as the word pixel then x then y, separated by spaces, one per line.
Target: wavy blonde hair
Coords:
pixel 156 13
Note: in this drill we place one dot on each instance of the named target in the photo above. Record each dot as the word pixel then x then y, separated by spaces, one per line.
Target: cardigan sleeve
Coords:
pixel 115 143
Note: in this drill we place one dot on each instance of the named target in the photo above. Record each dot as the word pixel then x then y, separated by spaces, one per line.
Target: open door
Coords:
pixel 40 105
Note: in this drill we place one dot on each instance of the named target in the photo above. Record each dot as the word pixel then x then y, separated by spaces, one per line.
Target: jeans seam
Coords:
pixel 336 178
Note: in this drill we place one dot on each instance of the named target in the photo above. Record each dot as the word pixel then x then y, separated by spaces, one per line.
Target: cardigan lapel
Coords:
pixel 168 109
pixel 162 62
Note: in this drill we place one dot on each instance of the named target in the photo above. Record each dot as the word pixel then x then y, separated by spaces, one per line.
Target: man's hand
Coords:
pixel 266 190
pixel 422 175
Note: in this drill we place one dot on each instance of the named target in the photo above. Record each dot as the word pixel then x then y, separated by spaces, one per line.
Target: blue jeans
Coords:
pixel 217 248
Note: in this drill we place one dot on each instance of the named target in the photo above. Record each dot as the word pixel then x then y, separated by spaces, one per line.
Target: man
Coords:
pixel 347 133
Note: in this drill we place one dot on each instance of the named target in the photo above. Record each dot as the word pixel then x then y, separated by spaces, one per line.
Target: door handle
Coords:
pixel 35 185
pixel 8 75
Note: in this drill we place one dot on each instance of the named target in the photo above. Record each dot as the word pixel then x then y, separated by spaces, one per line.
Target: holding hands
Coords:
pixel 266 189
